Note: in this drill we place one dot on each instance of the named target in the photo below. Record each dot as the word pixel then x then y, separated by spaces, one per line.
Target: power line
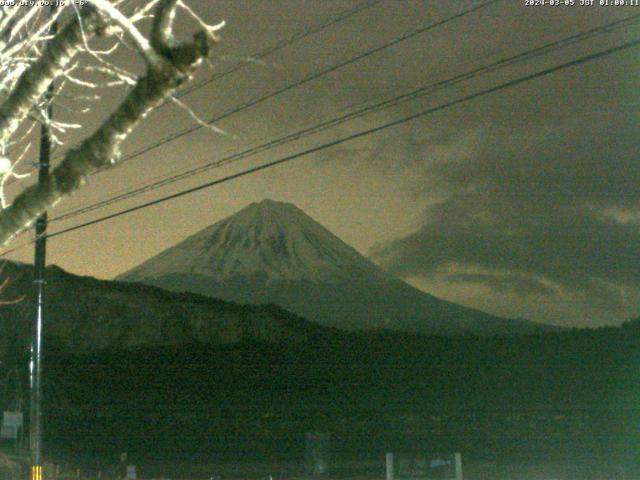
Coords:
pixel 163 180
pixel 283 44
pixel 288 87
pixel 487 91
pixel 431 88
pixel 309 78
pixel 296 37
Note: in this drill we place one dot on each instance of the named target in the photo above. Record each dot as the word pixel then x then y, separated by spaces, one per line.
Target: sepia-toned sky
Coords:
pixel 522 203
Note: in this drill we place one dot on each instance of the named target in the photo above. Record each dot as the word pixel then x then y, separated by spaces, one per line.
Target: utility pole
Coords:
pixel 35 364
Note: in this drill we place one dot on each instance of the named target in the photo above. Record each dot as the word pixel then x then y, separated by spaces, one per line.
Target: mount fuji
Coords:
pixel 272 252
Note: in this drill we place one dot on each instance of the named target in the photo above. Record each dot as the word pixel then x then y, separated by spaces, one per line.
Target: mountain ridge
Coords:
pixel 85 314
pixel 238 239
pixel 273 252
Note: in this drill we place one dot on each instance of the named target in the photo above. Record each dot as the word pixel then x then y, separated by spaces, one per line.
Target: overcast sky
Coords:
pixel 523 203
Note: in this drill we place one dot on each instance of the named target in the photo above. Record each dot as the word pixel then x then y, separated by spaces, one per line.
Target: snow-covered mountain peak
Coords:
pixel 270 240
pixel 273 252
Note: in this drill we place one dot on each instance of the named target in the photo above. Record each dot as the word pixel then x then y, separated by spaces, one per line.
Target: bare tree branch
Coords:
pixel 5 283
pixel 177 62
pixel 35 81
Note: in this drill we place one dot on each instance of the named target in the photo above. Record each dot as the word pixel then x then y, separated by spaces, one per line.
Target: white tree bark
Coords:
pixel 35 81
pixel 169 64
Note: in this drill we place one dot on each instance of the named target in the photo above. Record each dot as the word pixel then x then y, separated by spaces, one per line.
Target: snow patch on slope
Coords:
pixel 270 240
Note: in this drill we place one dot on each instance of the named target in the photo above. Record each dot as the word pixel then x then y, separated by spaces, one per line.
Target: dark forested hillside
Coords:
pixel 569 394
pixel 138 369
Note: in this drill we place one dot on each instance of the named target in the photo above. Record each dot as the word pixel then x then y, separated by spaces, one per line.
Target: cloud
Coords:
pixel 519 284
pixel 546 204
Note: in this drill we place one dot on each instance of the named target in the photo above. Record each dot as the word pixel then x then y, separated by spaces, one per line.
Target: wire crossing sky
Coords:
pixel 511 83
pixel 312 77
pixel 521 57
